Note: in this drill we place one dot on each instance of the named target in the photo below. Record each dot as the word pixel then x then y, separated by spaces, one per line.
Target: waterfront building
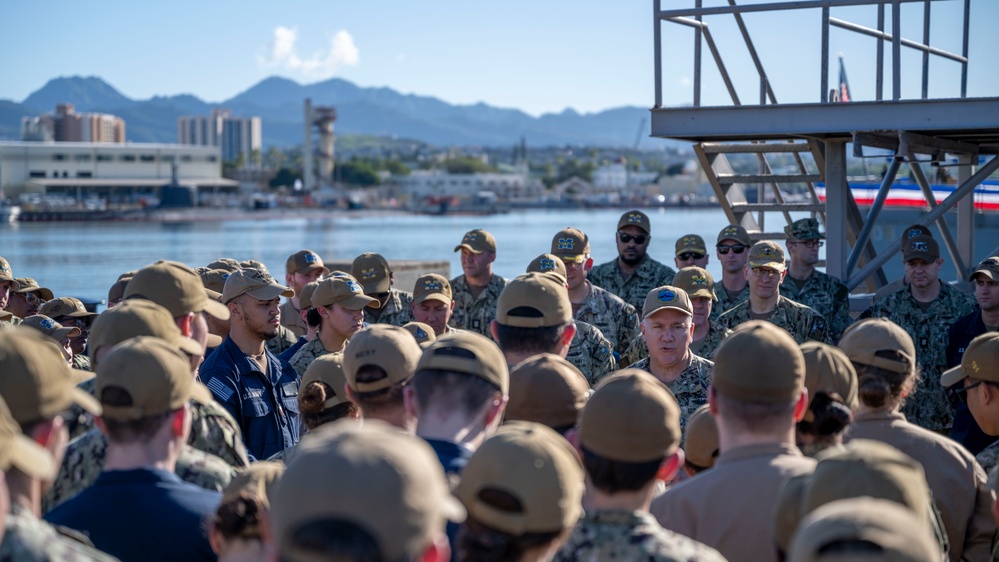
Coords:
pixel 235 136
pixel 435 183
pixel 66 125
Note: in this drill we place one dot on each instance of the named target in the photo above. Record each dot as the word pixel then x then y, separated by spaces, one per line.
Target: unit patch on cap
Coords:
pixel 353 286
pixel 547 264
pixel 431 285
pixel 689 241
pixel 766 251
pixel 48 324
pixel 368 273
pixel 731 231
pixel 420 333
pixel 698 280
pixel 471 237
pixel 635 217
pixel 310 258
pixel 666 296
pixel 565 244
pixel 913 232
pixel 920 247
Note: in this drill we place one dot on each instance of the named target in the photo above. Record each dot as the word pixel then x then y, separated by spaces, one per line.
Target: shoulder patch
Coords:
pixel 219 389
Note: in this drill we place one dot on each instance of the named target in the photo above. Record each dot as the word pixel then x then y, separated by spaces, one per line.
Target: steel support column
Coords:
pixel 924 186
pixel 837 197
pixel 966 213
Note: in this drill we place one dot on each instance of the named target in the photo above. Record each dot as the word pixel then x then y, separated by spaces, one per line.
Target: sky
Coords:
pixel 539 56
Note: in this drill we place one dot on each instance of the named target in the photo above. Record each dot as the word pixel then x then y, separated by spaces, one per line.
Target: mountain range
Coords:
pixel 360 110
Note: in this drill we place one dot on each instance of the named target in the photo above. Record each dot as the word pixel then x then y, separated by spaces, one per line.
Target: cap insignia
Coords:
pixel 431 285
pixel 913 232
pixel 311 258
pixel 354 287
pixel 471 237
pixel 565 243
pixel 634 217
pixel 420 333
pixel 698 280
pixel 731 231
pixel 368 273
pixel 666 296
pixel 48 324
pixel 920 246
pixel 547 264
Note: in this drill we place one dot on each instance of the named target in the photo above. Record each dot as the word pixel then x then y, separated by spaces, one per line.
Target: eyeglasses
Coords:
pixel 724 248
pixel 691 256
pixel 763 272
pixel 810 244
pixel 380 296
pixel 69 321
pixel 32 298
pixel 962 392
pixel 626 238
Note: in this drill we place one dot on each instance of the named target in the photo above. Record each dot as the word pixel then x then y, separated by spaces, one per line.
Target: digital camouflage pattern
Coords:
pixel 724 304
pixel 591 353
pixel 633 290
pixel 800 321
pixel 306 355
pixel 927 405
pixel 637 349
pixel 630 535
pixel 82 362
pixel 214 431
pixel 30 539
pixel 291 318
pixel 285 339
pixel 78 420
pixel 85 457
pixel 690 388
pixel 989 457
pixel 616 319
pixel 824 294
pixel 475 314
pixel 397 311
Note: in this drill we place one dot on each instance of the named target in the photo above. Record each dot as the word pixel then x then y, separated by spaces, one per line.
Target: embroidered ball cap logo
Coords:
pixel 634 218
pixel 666 295
pixel 432 285
pixel 565 243
pixel 310 258
pixel 420 333
pixel 48 324
pixel 698 280
pixel 368 273
pixel 547 264
pixel 913 232
pixel 921 247
pixel 477 241
pixel 471 237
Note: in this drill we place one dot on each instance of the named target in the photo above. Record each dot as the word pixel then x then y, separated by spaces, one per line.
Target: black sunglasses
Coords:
pixel 380 296
pixel 962 392
pixel 690 256
pixel 626 238
pixel 724 248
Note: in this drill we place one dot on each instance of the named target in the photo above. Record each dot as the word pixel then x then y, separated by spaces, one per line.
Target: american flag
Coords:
pixel 844 85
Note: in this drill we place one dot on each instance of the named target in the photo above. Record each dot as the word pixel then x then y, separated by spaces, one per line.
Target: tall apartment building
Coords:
pixel 68 126
pixel 234 135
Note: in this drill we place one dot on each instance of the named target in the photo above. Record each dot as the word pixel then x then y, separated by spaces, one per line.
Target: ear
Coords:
pixel 391 279
pixel 801 406
pixel 494 414
pixel 494 330
pixel 46 433
pixel 437 551
pixel 712 400
pixel 215 539
pixel 745 271
pixel 99 422
pixel 990 393
pixel 349 392
pixel 177 422
pixel 184 323
pixel 288 279
pixel 304 315
pixel 783 274
pixel 567 335
pixel 452 306
pixel 572 436
pixel 588 264
pixel 409 402
pixel 670 466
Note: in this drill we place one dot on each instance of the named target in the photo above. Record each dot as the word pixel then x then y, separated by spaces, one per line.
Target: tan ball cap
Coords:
pixel 29 285
pixel 635 218
pixel 571 244
pixel 894 529
pixel 343 290
pixel 390 347
pixel 254 282
pixel 691 243
pixel 667 297
pixel 154 376
pixel 258 480
pixel 696 281
pixel 117 291
pixel 138 317
pixel 304 261
pixel 631 417
pixel 372 271
pixel 37 382
pixel 828 369
pixel 989 268
pixel 423 333
pixel 469 353
pixel 536 466
pixel 432 287
pixel 214 280
pixel 65 306
pixel 759 362
pixel 701 441
pixel 547 263
pixel 734 232
pixel 20 452
pixel 980 361
pixel 330 371
pixel 386 481
pixel 540 291
pixel 7 274
pixel 548 390
pixel 50 327
pixel 477 241
pixel 305 297
pixel 766 253
pixel 862 341
pixel 175 287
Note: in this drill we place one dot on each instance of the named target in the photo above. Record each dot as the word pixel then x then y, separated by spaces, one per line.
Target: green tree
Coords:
pixel 284 178
pixel 274 158
pixel 574 167
pixel 358 172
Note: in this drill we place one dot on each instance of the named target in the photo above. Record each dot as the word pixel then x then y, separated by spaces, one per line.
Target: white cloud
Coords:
pixel 282 52
pixel 685 81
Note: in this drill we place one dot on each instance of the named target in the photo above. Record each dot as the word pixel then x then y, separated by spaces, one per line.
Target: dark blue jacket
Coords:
pixel 287 354
pixel 266 407
pixel 965 430
pixel 142 515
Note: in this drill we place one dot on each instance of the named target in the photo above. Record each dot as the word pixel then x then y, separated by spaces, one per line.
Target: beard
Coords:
pixel 633 259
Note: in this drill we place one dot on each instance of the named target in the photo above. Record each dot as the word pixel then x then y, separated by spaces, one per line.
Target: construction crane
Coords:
pixel 638 135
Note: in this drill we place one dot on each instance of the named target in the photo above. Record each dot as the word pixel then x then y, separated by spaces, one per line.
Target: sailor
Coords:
pixel 808 286
pixel 372 271
pixel 633 273
pixel 477 288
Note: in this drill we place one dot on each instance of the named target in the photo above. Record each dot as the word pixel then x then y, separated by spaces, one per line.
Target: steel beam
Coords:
pixel 964 190
pixel 915 141
pixel 966 212
pixel 872 214
pixel 931 200
pixel 774 7
pixel 837 196
pixel 969 116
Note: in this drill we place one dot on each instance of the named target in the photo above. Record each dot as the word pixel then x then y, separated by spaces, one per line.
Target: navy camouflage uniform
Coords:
pixel 591 353
pixel 616 319
pixel 690 388
pixel 306 355
pixel 800 321
pixel 633 290
pixel 475 314
pixel 30 539
pixel 824 294
pixel 724 304
pixel 928 405
pixel 630 535
pixel 397 311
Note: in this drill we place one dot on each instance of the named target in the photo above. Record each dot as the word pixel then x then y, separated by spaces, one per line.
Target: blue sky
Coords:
pixel 539 56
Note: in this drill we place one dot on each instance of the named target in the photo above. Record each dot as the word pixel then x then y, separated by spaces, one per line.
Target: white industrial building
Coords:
pixel 234 135
pixel 112 172
pixel 436 183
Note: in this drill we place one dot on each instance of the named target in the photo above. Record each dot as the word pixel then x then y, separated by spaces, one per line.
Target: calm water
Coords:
pixel 84 259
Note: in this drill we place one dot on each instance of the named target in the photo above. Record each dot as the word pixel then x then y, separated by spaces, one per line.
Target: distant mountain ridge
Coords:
pixel 374 111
